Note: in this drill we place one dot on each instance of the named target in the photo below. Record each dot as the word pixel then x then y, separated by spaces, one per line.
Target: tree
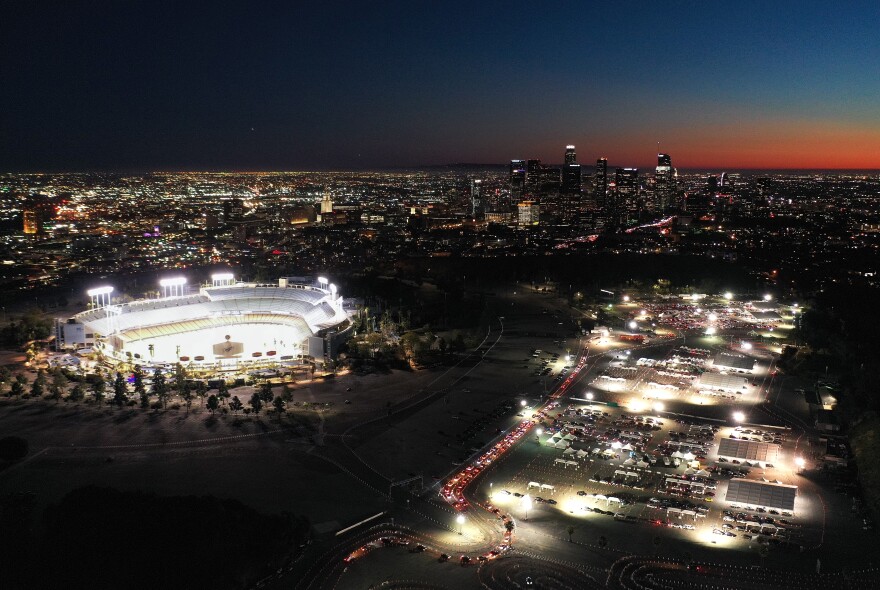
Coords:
pixel 120 390
pixel 213 403
pixel 509 525
pixel 17 387
pixel 266 394
pixel 570 533
pixel 287 393
pixel 256 403
pixel 279 404
pixel 657 541
pixel 138 375
pixel 180 379
pixel 764 551
pixel 77 393
pixel 98 387
pixel 186 394
pixel 38 387
pixel 201 391
pixel 59 382
pixel 160 390
pixel 236 405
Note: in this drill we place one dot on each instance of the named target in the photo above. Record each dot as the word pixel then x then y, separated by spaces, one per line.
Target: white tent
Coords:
pixel 569 451
pixel 581 454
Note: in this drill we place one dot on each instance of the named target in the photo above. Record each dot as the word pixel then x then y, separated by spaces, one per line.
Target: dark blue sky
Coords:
pixel 339 85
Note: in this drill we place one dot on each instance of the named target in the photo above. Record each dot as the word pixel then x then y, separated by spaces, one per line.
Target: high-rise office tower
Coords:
pixel 570 197
pixel 478 200
pixel 517 180
pixel 326 203
pixel 626 192
pixel 31 221
pixel 664 183
pixel 533 168
pixel 528 213
pixel 600 181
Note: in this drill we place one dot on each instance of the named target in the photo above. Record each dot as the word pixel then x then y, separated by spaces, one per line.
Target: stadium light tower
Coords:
pixel 173 287
pixel 100 296
pixel 222 279
pixel 323 282
pixel 332 291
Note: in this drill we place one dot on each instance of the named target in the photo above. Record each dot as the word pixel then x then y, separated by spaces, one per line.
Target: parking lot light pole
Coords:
pixel 527 503
pixel 460 521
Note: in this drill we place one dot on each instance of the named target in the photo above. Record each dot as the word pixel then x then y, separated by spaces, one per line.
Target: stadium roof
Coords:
pixel 734 361
pixel 748 449
pixel 719 381
pixel 759 493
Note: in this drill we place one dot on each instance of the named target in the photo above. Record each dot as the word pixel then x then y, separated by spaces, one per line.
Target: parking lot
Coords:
pixel 598 464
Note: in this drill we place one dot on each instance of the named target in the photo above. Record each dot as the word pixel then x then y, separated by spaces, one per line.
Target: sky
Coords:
pixel 295 85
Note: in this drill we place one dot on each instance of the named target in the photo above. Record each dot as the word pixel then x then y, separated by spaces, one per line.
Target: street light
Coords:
pixel 658 407
pixel 460 521
pixel 633 325
pixel 523 403
pixel 626 298
pixel 728 295
pixel 739 417
pixel 527 503
pixel 799 461
pixel 747 345
pixel 768 297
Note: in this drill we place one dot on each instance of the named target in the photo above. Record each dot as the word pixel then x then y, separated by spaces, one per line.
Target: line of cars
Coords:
pixel 453 490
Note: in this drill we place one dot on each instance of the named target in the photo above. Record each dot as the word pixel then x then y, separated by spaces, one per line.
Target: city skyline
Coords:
pixel 151 86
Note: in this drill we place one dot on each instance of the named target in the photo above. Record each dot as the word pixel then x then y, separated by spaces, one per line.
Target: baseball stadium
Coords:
pixel 224 325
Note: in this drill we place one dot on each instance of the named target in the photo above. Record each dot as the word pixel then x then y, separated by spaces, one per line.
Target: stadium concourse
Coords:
pixel 224 326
